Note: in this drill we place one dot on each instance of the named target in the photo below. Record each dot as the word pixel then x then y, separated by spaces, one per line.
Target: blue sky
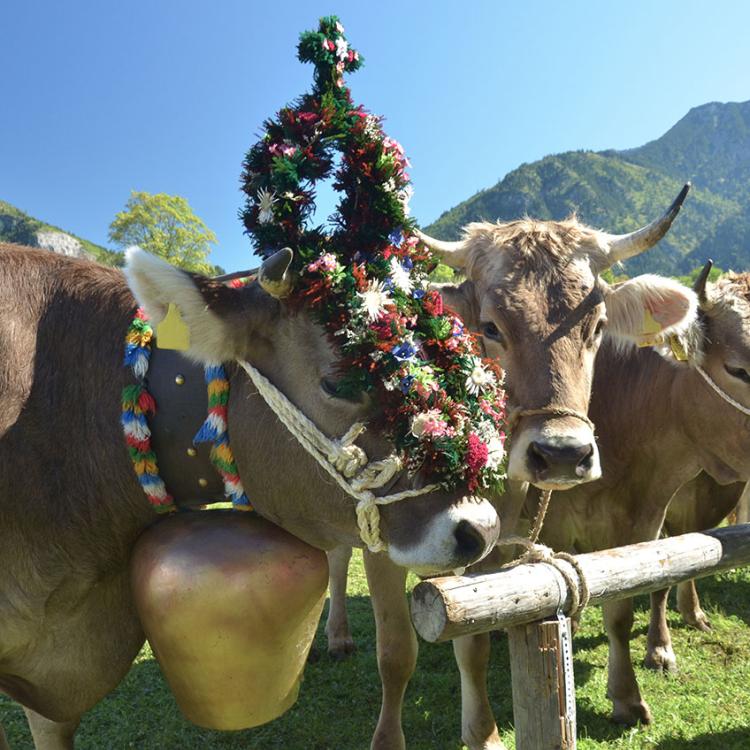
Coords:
pixel 100 98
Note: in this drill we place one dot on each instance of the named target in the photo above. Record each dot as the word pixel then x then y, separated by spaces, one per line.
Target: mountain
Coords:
pixel 622 190
pixel 17 226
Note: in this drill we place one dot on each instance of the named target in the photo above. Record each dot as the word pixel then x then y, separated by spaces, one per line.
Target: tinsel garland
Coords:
pixel 366 279
pixel 138 405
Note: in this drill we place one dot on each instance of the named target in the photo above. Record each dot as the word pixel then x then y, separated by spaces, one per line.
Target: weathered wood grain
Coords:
pixel 444 608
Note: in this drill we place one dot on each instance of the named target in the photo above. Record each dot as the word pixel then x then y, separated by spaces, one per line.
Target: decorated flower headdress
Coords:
pixel 365 277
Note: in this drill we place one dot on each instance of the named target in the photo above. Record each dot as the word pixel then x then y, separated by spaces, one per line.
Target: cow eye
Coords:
pixel 491 331
pixel 599 327
pixel 738 372
pixel 332 389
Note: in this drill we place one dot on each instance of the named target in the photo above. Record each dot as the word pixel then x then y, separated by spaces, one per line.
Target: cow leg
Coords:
pixel 478 728
pixel 51 735
pixel 689 606
pixel 622 686
pixel 659 652
pixel 396 644
pixel 340 641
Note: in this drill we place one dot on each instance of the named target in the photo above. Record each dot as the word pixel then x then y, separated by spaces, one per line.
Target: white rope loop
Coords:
pixel 344 461
pixel 736 404
pixel 540 553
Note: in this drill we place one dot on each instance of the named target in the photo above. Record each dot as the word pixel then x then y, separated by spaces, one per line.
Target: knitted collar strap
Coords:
pixel 138 405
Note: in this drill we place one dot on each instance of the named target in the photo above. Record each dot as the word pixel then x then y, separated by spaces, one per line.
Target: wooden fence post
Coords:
pixel 544 713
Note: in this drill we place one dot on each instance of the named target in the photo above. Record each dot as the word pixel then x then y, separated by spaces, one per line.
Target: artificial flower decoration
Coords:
pixel 365 276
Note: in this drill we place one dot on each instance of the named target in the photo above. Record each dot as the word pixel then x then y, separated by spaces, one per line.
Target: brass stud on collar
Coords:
pixel 179 379
pixel 192 452
pixel 203 482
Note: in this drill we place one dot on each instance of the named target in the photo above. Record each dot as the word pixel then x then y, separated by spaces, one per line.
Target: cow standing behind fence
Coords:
pixel 504 265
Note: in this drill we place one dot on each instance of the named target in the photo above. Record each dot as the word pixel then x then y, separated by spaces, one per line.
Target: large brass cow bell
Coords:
pixel 230 604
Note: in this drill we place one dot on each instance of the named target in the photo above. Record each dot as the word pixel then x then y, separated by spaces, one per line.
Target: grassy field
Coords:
pixel 706 706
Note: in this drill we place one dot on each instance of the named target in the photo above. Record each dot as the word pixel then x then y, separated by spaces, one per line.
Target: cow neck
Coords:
pixel 636 407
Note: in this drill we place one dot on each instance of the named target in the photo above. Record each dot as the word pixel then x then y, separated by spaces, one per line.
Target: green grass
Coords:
pixel 706 705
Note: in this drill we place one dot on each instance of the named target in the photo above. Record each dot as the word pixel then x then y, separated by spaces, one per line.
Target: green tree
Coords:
pixel 164 225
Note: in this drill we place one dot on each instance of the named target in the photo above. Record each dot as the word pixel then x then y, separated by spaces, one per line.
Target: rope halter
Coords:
pixel 736 404
pixel 344 461
pixel 552 411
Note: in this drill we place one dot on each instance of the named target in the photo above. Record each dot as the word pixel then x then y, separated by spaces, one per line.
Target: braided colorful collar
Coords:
pixel 138 405
pixel 366 277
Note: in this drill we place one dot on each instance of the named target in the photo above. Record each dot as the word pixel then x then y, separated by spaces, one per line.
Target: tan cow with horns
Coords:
pixel 533 292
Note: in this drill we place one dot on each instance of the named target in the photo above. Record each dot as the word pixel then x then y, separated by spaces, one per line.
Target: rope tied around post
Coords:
pixel 540 553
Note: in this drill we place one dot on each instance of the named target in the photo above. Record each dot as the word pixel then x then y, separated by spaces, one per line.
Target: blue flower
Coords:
pixel 406 383
pixel 407 264
pixel 403 352
pixel 396 238
pixel 418 293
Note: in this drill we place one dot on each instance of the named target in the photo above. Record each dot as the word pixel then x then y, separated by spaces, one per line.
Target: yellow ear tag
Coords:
pixel 172 332
pixel 648 335
pixel 677 349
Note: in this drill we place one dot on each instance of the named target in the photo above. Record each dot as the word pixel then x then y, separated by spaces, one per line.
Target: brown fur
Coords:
pixel 70 505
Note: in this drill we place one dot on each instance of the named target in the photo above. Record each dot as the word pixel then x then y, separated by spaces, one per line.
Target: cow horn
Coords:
pixel 700 283
pixel 624 246
pixel 453 254
pixel 235 275
pixel 273 276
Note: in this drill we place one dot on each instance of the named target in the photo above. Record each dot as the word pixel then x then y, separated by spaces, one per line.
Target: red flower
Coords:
pixel 476 458
pixel 433 303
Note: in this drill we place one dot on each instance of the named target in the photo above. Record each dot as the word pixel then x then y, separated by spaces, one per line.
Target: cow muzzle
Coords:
pixel 459 536
pixel 555 454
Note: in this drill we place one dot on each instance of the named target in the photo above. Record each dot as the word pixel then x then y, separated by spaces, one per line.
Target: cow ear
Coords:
pixel 461 299
pixel 648 310
pixel 210 309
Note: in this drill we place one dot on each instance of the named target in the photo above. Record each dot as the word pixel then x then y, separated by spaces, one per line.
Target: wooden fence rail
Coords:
pixel 524 597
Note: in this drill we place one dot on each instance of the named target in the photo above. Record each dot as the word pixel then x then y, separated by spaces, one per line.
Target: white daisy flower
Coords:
pixel 266 199
pixel 405 195
pixel 427 423
pixel 495 452
pixel 372 127
pixel 339 27
pixel 479 377
pixel 401 277
pixel 390 186
pixel 342 49
pixel 374 299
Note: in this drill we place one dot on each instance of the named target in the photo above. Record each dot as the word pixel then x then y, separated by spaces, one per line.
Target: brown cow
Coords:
pixel 530 333
pixel 71 507
pixel 659 423
pixel 698 505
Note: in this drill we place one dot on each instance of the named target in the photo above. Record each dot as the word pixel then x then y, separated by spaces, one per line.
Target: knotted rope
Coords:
pixel 344 461
pixel 540 553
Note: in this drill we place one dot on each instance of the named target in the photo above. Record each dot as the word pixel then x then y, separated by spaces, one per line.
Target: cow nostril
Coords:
pixel 587 456
pixel 560 458
pixel 469 541
pixel 538 455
